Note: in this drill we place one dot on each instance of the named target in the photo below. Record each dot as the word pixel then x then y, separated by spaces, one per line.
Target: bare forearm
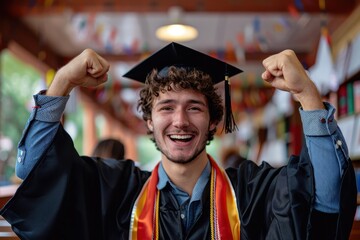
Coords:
pixel 60 86
pixel 310 98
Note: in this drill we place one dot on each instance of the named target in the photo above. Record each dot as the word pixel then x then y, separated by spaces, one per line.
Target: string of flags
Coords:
pixel 96 30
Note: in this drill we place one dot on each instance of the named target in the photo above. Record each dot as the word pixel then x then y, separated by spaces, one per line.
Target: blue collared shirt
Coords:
pixel 327 149
pixel 190 206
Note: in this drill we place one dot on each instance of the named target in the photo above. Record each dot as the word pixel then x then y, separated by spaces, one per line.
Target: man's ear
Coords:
pixel 149 124
pixel 212 126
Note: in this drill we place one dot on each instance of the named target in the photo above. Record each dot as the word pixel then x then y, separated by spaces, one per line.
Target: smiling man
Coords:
pixel 187 195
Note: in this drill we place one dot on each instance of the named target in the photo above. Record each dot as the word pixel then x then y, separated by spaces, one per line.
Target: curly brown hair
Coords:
pixel 176 78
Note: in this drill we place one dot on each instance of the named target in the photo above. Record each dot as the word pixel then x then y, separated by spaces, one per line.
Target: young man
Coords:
pixel 187 195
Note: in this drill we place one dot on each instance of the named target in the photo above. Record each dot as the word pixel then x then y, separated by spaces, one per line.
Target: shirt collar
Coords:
pixel 199 186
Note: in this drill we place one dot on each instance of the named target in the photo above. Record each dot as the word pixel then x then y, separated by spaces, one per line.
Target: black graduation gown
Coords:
pixel 67 196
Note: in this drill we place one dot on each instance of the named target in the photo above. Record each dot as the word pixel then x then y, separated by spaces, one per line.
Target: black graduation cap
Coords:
pixel 179 55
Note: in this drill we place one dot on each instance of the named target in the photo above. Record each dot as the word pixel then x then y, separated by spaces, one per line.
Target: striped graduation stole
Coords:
pixel 224 217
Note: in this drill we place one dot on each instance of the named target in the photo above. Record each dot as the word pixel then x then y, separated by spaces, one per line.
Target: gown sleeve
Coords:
pixel 278 203
pixel 66 196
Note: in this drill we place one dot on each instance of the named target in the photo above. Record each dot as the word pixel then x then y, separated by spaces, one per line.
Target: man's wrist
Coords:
pixel 60 86
pixel 310 99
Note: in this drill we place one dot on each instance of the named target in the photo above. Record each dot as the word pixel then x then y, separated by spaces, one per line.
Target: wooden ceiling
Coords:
pixel 20 7
pixel 15 12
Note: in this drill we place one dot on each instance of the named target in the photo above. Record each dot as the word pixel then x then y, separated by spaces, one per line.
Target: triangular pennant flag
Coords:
pixel 323 71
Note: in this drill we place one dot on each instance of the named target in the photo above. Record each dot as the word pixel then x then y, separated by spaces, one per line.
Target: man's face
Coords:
pixel 180 124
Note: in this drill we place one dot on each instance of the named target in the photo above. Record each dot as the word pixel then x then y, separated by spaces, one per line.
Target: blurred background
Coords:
pixel 37 37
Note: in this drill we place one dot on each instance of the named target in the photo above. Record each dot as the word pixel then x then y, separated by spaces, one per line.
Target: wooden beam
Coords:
pixel 13 31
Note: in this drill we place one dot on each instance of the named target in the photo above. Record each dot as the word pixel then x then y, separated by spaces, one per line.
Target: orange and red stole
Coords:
pixel 224 217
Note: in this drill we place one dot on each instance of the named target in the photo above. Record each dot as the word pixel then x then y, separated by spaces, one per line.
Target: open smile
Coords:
pixel 181 137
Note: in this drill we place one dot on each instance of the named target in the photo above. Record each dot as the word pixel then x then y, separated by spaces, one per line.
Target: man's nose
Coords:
pixel 180 118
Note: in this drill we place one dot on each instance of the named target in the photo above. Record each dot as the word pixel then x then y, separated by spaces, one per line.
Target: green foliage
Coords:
pixel 18 82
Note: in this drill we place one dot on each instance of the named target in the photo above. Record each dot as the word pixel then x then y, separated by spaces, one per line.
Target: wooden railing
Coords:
pixel 6 233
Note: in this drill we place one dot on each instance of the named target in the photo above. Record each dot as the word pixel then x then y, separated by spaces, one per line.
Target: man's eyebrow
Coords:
pixel 191 101
pixel 165 101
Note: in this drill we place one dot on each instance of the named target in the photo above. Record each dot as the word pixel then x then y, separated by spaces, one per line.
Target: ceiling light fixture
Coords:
pixel 176 32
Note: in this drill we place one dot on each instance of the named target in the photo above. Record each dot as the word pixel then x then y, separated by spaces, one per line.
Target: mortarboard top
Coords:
pixel 176 54
pixel 179 55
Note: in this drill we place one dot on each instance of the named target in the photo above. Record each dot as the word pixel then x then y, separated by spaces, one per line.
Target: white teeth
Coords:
pixel 180 136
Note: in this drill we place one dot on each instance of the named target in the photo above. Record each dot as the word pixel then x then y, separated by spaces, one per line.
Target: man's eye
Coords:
pixel 195 109
pixel 166 109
